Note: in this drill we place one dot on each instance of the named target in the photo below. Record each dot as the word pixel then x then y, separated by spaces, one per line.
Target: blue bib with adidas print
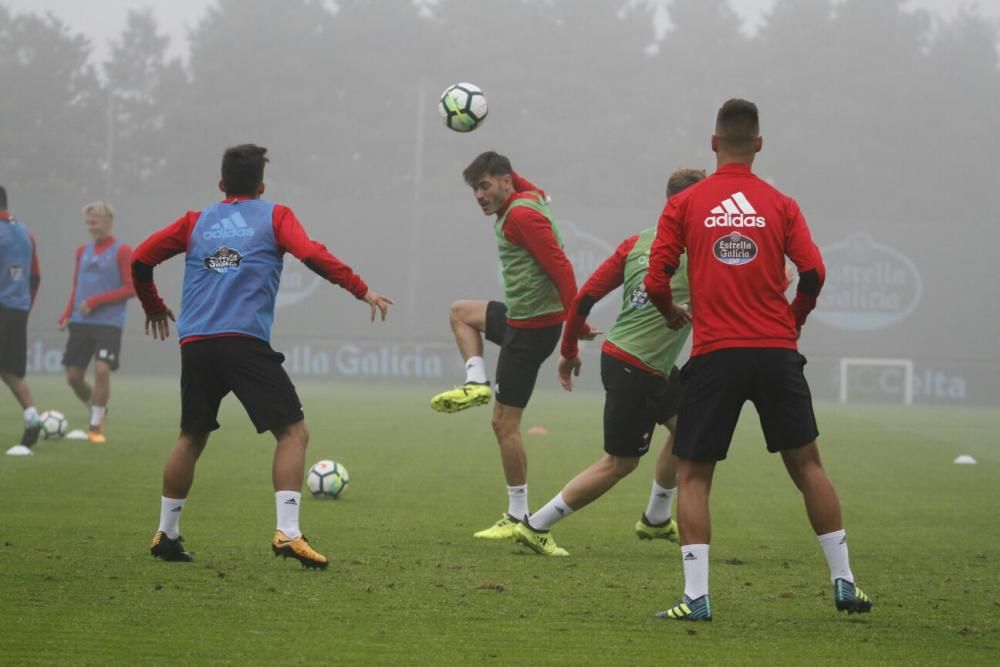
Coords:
pixel 97 274
pixel 231 272
pixel 15 266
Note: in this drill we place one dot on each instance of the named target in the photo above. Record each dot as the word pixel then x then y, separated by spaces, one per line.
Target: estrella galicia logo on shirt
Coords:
pixel 228 228
pixel 223 260
pixel 735 249
pixel 638 298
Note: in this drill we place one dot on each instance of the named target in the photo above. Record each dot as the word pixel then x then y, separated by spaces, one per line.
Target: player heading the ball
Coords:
pixel 539 286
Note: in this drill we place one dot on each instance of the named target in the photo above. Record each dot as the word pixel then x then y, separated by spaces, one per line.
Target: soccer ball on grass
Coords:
pixel 54 424
pixel 463 107
pixel 327 479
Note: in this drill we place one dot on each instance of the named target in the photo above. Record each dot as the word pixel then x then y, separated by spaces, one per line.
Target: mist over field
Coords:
pixel 878 117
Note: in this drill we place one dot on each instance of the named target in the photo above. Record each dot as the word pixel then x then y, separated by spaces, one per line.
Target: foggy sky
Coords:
pixel 103 20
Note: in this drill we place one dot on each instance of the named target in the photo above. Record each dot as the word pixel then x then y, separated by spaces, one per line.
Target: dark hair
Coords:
pixel 243 169
pixel 737 125
pixel 489 163
pixel 3 199
pixel 682 179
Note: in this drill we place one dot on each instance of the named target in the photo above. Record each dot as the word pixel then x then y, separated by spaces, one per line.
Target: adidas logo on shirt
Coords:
pixel 228 228
pixel 734 211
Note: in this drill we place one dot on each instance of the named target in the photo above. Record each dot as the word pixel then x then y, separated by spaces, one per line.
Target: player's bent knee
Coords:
pixel 623 466
pixel 469 313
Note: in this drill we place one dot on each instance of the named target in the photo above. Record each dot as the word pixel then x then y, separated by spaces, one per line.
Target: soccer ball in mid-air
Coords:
pixel 53 424
pixel 327 479
pixel 463 107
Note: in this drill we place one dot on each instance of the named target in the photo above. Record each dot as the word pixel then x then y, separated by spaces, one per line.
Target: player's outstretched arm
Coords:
pixel 159 324
pixel 378 302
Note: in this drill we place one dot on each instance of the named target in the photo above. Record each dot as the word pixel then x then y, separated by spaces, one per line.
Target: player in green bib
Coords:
pixel 539 286
pixel 642 387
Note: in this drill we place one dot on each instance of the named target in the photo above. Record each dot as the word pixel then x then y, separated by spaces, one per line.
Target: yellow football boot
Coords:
pixel 539 541
pixel 504 529
pixel 461 398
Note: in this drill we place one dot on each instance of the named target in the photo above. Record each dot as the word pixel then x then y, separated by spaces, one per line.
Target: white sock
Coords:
pixel 661 504
pixel 30 413
pixel 517 501
pixel 475 370
pixel 554 511
pixel 835 549
pixel 170 516
pixel 695 559
pixel 97 414
pixel 287 504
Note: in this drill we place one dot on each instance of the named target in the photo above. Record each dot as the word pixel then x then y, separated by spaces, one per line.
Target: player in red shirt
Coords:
pixel 737 230
pixel 539 286
pixel 95 313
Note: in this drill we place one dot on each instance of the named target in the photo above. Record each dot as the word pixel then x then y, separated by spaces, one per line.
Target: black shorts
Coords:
pixel 635 401
pixel 92 341
pixel 13 341
pixel 522 352
pixel 715 386
pixel 249 368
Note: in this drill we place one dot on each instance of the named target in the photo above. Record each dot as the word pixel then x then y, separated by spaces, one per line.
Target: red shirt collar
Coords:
pixel 734 168
pixel 5 215
pixel 233 200
pixel 510 200
pixel 104 243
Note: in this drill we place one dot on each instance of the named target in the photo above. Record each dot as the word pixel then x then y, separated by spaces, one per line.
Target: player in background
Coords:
pixel 737 230
pixel 539 287
pixel 19 279
pixel 641 383
pixel 232 268
pixel 95 313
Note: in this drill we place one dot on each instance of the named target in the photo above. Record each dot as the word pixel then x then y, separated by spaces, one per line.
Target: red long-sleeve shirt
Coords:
pixel 126 291
pixel 288 233
pixel 606 278
pixel 737 230
pixel 531 230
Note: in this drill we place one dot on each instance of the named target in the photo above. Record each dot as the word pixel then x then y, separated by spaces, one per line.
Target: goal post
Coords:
pixel 905 365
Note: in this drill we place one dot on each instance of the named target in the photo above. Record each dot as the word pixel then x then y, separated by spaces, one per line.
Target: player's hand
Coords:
pixel 567 369
pixel 62 323
pixel 85 308
pixel 160 324
pixel 678 316
pixel 378 303
pixel 590 334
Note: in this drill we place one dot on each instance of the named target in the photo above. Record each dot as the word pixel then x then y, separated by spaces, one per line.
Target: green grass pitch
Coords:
pixel 407 583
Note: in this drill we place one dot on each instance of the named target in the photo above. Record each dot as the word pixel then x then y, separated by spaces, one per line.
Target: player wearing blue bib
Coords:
pixel 95 313
pixel 234 253
pixel 19 278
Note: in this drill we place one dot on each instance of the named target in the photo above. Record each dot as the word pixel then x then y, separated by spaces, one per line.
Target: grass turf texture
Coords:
pixel 408 584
